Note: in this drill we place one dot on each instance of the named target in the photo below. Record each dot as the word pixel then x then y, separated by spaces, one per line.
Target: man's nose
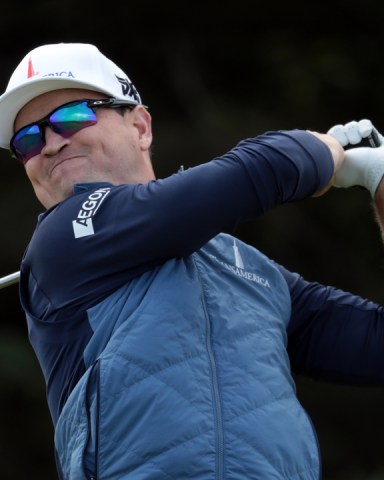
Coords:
pixel 54 141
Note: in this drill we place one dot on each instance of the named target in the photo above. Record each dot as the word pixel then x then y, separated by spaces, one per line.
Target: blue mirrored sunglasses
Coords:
pixel 64 120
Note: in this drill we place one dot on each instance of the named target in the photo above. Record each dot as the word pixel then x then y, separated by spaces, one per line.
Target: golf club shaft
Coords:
pixel 9 279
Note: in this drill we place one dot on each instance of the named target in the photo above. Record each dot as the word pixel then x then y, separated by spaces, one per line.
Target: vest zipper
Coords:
pixel 219 430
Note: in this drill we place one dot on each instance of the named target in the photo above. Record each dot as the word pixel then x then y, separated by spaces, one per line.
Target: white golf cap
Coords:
pixel 56 66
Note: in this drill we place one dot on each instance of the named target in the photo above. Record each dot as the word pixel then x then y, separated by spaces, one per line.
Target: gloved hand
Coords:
pixel 357 134
pixel 363 165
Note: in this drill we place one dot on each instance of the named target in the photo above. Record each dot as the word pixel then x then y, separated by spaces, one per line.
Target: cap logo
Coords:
pixel 128 88
pixel 31 70
pixel 60 74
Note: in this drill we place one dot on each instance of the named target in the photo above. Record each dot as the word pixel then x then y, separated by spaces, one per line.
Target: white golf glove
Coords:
pixel 364 157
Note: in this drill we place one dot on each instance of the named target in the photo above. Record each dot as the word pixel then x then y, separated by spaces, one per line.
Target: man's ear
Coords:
pixel 142 120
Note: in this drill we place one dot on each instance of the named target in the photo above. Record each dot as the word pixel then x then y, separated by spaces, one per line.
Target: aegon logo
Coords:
pixel 83 225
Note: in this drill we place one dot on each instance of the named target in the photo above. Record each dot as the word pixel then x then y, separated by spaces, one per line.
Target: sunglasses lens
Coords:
pixel 66 120
pixel 71 118
pixel 27 143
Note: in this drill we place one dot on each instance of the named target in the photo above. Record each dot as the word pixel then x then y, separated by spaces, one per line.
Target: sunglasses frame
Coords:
pixel 45 121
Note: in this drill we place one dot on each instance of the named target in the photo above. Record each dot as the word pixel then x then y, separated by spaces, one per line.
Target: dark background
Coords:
pixel 213 73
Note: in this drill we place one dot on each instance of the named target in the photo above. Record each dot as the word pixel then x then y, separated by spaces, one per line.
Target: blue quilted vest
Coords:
pixel 188 378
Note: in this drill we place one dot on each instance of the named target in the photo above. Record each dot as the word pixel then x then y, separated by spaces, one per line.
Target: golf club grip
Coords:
pixel 372 140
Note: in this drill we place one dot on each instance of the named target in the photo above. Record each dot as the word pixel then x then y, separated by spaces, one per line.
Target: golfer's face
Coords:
pixel 113 148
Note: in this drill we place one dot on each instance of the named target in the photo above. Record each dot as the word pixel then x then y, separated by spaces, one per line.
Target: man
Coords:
pixel 166 343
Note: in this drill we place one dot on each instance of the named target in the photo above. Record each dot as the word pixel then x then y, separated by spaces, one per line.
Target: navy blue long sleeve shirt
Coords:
pixel 87 246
